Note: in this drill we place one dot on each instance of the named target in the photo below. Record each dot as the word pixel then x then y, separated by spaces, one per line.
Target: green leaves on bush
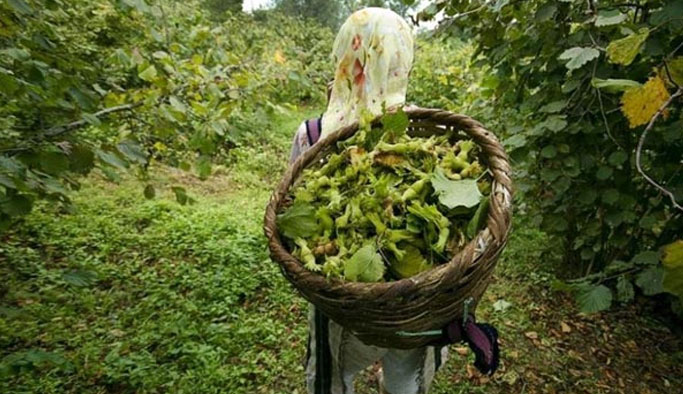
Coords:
pixel 578 56
pixel 35 358
pixel 593 299
pixel 571 145
pixel 672 260
pixel 614 85
pixel 609 18
pixel 149 192
pixel 625 291
pixel 181 195
pixel 97 85
pixel 650 280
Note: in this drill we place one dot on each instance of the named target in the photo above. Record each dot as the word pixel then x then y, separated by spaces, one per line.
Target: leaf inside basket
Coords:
pixel 365 265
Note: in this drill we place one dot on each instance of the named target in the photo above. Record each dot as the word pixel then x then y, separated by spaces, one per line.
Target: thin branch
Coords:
pixel 635 5
pixel 675 173
pixel 635 14
pixel 591 7
pixel 675 50
pixel 471 11
pixel 54 131
pixel 641 142
pixel 602 109
pixel 604 118
pixel 668 74
pixel 654 29
pixel 448 22
pixel 594 42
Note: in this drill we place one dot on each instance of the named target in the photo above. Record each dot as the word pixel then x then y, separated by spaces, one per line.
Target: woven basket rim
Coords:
pixel 401 287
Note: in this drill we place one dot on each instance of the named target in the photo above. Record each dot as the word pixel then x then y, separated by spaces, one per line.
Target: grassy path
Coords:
pixel 127 295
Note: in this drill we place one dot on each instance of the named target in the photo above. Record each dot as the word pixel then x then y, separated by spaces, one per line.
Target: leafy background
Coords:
pixel 140 140
pixel 571 86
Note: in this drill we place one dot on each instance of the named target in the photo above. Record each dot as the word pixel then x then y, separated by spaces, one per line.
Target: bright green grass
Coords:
pixel 171 297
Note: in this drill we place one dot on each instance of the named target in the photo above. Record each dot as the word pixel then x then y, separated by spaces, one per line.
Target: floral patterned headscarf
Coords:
pixel 373 54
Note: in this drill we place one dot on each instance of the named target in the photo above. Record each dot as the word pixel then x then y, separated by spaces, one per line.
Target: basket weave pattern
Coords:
pixel 376 312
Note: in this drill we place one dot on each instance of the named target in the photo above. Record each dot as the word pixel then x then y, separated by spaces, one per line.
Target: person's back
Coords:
pixel 373 55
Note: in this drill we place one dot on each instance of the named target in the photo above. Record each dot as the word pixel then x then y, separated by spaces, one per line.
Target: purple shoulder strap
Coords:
pixel 313 128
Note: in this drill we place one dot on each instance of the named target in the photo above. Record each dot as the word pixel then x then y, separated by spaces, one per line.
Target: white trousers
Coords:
pixel 335 356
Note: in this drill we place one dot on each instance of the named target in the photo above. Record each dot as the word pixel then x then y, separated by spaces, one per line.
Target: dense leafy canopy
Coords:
pixel 114 85
pixel 333 13
pixel 576 82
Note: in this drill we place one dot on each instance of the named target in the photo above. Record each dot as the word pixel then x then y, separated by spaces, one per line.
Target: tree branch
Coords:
pixel 57 130
pixel 602 111
pixel 668 74
pixel 641 142
pixel 604 119
pixel 591 7
pixel 635 5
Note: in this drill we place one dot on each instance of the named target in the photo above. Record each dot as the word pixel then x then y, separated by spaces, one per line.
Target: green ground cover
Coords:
pixel 130 295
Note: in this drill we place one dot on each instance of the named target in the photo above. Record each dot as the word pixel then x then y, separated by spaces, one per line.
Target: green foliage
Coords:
pixel 365 265
pixel 672 261
pixel 329 13
pixel 221 6
pixel 298 221
pixel 398 6
pixel 139 296
pixel 578 56
pixel 594 298
pixel 333 13
pixel 565 67
pixel 385 188
pixel 443 77
pixel 117 85
pixel 453 194
pixel 412 263
pixel 184 298
pixel 479 218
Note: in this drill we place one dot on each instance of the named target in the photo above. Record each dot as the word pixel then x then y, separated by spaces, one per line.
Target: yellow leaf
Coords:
pixel 640 104
pixel 279 57
pixel 624 50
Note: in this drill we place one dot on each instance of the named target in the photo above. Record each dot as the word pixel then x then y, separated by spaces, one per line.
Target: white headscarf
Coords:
pixel 373 54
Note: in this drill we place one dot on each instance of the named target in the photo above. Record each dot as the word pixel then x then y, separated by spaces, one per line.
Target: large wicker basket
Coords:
pixel 381 314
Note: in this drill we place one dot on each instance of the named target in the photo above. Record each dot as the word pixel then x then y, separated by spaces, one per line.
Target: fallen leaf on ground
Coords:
pixel 117 333
pixel 462 350
pixel 531 335
pixel 575 372
pixel 475 376
pixel 472 372
pixel 565 327
pixel 575 355
pixel 510 377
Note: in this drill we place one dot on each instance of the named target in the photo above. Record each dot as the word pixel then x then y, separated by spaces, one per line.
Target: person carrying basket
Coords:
pixel 373 56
